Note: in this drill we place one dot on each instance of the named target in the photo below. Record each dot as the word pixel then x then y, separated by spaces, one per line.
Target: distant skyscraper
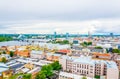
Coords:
pixel 55 34
pixel 111 34
pixel 89 34
pixel 67 35
pixel 78 35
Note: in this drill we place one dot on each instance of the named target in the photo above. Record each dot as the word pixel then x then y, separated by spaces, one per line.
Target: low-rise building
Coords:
pixel 3 67
pixel 7 74
pixel 53 57
pixel 24 53
pixel 104 56
pixel 63 51
pixel 5 56
pixel 37 54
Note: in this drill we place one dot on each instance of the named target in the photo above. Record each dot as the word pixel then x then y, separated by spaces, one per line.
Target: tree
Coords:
pixel 27 76
pixel 98 47
pixel 4 52
pixel 65 42
pixel 97 76
pixel 116 51
pixel 107 50
pixel 85 43
pixel 62 42
pixel 41 75
pixel 84 78
pixel 56 65
pixel 11 53
pixel 47 70
pixel 4 60
pixel 89 43
pixel 5 38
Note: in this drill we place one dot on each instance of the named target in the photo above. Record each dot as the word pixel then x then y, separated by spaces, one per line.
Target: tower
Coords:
pixel 89 34
pixel 67 35
pixel 55 35
pixel 111 34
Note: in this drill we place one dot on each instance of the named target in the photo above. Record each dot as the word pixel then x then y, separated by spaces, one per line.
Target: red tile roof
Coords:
pixel 102 54
pixel 64 51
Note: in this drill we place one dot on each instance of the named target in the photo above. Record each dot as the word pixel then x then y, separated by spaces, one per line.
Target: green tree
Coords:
pixel 85 43
pixel 47 70
pixel 84 78
pixel 89 43
pixel 56 65
pixel 116 51
pixel 107 50
pixel 41 75
pixel 4 60
pixel 11 53
pixel 98 47
pixel 4 52
pixel 65 42
pixel 62 42
pixel 27 76
pixel 5 38
pixel 97 76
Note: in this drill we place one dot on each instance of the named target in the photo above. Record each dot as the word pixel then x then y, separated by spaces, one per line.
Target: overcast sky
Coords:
pixel 47 16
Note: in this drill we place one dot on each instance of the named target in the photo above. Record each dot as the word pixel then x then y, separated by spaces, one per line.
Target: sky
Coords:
pixel 48 16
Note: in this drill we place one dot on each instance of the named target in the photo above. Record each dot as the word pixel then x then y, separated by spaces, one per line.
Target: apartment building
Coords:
pixel 86 66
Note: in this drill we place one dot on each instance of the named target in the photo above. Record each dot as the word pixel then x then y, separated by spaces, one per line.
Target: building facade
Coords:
pixel 37 54
pixel 88 67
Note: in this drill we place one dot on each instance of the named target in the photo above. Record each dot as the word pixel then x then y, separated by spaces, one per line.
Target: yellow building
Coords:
pixel 29 66
pixel 53 57
pixel 7 74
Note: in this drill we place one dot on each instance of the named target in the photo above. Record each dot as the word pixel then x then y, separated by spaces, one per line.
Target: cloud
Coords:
pixel 82 27
pixel 47 16
pixel 58 9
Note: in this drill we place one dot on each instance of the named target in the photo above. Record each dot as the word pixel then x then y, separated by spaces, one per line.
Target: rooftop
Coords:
pixel 36 52
pixel 3 67
pixel 64 51
pixel 102 54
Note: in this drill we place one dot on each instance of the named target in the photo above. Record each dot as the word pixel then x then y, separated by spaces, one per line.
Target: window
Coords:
pixel 77 65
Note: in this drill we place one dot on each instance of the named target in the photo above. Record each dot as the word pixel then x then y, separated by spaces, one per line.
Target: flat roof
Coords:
pixel 36 52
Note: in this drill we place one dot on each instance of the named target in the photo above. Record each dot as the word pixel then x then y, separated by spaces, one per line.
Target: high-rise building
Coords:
pixel 67 35
pixel 111 34
pixel 55 35
pixel 89 34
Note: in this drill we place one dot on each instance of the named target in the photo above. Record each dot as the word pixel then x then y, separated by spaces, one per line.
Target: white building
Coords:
pixel 37 54
pixel 88 67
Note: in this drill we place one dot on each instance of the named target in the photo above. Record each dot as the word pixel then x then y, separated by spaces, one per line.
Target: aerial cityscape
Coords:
pixel 59 39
